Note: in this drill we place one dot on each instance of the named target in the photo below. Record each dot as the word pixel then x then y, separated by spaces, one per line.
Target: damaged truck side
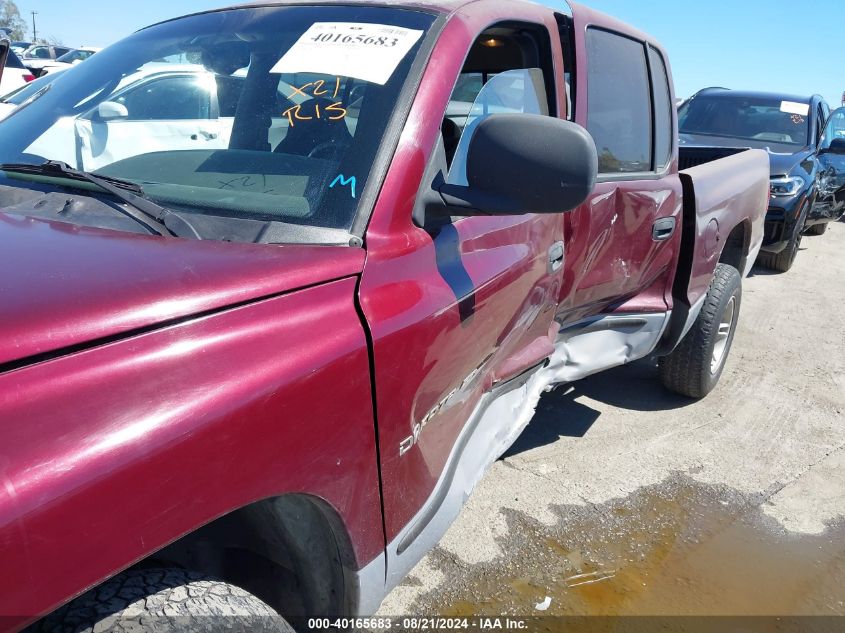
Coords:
pixel 268 358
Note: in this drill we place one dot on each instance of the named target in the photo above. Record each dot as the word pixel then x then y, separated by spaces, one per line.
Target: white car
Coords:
pixel 37 55
pixel 15 75
pixel 161 107
pixel 68 59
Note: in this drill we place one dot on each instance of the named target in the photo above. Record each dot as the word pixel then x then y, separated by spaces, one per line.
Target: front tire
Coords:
pixel 694 367
pixel 817 229
pixel 163 601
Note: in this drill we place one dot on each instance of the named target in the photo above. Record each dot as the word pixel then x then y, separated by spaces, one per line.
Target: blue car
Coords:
pixel 804 171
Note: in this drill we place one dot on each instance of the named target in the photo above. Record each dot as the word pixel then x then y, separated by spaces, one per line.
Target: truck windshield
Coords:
pixel 763 119
pixel 265 114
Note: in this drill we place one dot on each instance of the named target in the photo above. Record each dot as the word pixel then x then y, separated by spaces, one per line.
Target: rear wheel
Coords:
pixel 695 366
pixel 817 229
pixel 163 601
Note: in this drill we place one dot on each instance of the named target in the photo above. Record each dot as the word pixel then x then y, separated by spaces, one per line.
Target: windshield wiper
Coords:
pixel 152 215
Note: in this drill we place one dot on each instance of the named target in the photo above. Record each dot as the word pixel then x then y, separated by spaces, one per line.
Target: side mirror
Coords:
pixel 524 163
pixel 5 45
pixel 111 111
pixel 837 146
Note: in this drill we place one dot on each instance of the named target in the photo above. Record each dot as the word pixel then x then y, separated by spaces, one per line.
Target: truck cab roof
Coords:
pixel 448 7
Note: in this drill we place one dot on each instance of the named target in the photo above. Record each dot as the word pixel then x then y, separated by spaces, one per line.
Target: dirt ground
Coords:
pixel 622 498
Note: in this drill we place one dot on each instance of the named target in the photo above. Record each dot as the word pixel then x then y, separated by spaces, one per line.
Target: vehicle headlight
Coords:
pixel 789 186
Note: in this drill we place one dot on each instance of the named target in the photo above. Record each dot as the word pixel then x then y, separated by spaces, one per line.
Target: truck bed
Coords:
pixel 725 189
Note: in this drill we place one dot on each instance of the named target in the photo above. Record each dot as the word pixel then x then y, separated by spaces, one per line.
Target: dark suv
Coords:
pixel 790 128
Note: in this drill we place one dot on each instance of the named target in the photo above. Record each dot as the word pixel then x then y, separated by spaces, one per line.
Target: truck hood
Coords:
pixel 782 158
pixel 63 286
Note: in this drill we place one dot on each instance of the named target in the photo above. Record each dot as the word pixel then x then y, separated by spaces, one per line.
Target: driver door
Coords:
pixel 459 310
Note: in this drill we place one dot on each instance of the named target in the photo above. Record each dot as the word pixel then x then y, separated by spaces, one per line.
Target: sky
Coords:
pixel 776 45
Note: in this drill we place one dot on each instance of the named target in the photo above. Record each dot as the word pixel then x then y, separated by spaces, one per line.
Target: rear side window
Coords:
pixel 618 102
pixel 662 110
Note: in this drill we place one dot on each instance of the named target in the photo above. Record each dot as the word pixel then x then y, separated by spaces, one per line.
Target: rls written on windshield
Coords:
pixel 351 49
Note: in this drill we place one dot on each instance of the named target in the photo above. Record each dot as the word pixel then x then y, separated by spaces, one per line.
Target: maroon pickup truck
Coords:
pixel 255 360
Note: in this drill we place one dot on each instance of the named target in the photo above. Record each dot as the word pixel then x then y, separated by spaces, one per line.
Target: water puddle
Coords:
pixel 680 548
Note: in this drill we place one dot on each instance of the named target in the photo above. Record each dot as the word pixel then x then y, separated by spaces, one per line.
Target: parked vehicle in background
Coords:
pixel 163 106
pixel 283 360
pixel 37 55
pixel 20 47
pixel 15 74
pixel 830 201
pixel 790 128
pixel 68 59
pixel 10 102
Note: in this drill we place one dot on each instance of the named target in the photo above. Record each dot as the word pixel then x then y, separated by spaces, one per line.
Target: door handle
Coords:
pixel 663 229
pixel 555 257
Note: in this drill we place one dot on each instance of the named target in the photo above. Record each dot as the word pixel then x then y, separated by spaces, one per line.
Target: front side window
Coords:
pixel 506 71
pixel 256 115
pixel 519 91
pixel 618 102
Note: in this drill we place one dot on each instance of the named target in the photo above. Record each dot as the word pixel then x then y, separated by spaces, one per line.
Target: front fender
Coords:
pixel 111 453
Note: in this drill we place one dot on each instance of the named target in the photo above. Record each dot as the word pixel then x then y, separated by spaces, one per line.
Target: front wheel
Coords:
pixel 695 365
pixel 163 601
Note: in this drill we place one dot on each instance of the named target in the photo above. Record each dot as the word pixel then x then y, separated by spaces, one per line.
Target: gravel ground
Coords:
pixel 623 498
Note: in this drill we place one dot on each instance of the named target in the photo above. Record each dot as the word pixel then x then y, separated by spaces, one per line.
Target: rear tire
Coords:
pixel 163 601
pixel 817 229
pixel 694 367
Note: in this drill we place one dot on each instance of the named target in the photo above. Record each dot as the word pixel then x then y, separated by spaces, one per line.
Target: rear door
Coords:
pixel 622 243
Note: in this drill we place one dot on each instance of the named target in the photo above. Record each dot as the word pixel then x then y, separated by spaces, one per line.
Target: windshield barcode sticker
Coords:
pixel 792 107
pixel 350 49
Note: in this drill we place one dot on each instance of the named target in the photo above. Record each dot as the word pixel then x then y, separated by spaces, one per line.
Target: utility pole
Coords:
pixel 34 32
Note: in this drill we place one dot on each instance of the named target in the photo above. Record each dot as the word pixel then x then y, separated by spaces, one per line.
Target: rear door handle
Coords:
pixel 663 229
pixel 555 257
